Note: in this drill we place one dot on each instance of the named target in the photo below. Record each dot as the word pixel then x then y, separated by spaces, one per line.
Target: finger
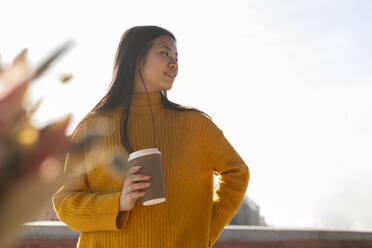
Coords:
pixel 130 172
pixel 140 177
pixel 135 194
pixel 134 169
pixel 133 187
pixel 136 186
pixel 135 178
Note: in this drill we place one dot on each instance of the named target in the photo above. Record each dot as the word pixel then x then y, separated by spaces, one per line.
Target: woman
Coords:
pixel 103 205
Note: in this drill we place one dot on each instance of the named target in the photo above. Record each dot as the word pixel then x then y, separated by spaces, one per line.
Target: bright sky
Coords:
pixel 289 83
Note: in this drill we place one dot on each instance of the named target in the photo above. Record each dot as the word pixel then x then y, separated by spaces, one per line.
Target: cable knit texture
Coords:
pixel 192 148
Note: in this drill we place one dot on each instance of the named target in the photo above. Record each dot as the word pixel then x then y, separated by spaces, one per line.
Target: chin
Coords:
pixel 167 86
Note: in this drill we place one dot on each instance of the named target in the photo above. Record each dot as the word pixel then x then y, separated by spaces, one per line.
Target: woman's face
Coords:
pixel 159 68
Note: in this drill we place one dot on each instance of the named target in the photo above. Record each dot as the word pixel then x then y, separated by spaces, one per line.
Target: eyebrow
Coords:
pixel 168 48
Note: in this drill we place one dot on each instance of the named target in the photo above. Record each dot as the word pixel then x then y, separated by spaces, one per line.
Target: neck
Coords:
pixel 141 99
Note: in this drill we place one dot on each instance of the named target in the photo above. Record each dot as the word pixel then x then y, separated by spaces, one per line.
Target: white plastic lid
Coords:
pixel 153 201
pixel 143 152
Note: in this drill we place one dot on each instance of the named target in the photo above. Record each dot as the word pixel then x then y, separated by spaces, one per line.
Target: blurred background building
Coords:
pixel 248 214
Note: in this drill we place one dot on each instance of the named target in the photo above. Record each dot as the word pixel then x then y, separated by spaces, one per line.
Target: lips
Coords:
pixel 171 75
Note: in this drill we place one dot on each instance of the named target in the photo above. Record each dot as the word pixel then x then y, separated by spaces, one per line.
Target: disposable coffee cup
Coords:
pixel 150 160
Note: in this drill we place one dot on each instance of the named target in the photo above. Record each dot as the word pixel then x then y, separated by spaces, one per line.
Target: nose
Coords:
pixel 173 65
pixel 172 59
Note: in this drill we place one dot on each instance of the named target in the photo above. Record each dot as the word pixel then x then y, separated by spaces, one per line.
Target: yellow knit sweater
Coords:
pixel 192 149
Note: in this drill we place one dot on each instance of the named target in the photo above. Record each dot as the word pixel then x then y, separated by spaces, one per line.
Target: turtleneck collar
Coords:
pixel 140 100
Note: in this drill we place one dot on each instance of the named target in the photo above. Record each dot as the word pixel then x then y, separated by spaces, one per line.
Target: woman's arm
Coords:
pixel 80 208
pixel 233 177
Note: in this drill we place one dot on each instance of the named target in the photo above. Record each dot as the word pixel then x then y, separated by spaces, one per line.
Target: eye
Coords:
pixel 168 54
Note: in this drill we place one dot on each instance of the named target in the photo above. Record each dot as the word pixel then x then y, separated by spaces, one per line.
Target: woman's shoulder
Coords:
pixel 93 121
pixel 89 119
pixel 199 119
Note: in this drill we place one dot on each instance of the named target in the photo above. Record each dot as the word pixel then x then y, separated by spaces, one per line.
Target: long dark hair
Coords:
pixel 133 47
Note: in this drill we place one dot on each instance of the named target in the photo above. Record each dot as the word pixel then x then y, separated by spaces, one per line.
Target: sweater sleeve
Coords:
pixel 233 177
pixel 81 209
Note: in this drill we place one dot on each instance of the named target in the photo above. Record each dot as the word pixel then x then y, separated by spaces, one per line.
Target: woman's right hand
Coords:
pixel 129 194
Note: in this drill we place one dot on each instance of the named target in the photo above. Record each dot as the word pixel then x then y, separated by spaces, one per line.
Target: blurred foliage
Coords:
pixel 31 159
